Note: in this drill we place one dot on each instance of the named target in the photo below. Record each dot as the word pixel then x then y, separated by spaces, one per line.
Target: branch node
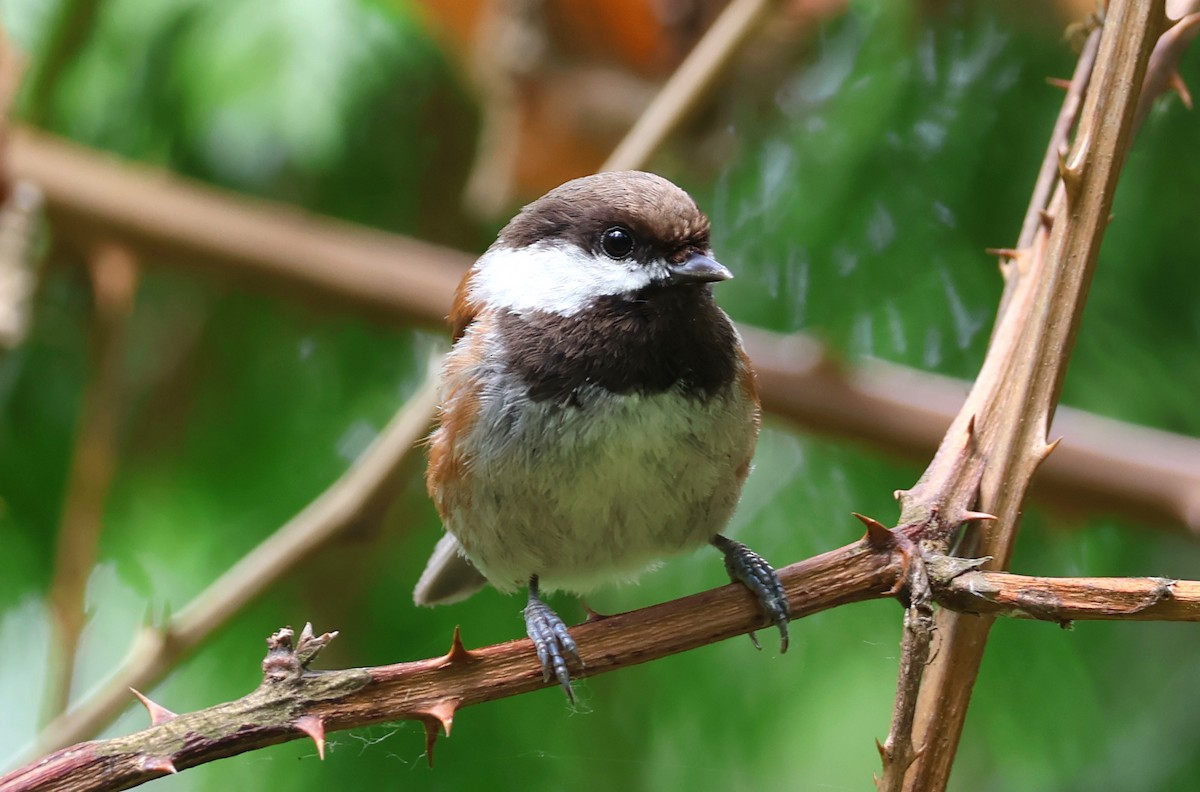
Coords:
pixel 1070 165
pixel 314 727
pixel 285 663
pixel 945 568
pixel 158 713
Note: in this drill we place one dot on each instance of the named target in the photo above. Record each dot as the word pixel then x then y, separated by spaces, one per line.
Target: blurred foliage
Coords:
pixel 856 207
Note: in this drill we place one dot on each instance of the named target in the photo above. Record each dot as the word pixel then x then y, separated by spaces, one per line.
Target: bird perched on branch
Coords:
pixel 598 412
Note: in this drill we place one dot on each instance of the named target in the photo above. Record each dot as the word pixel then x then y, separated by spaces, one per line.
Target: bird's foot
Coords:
pixel 554 644
pixel 752 570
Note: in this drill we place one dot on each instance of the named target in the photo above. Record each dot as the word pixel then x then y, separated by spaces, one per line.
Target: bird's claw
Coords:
pixel 752 570
pixel 553 642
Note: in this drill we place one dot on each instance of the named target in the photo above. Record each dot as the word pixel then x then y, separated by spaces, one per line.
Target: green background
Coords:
pixel 855 203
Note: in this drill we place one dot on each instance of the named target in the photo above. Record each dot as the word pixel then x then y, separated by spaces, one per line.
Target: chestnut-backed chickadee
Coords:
pixel 597 410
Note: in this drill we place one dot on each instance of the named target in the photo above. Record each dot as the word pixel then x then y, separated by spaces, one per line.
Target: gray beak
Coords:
pixel 697 269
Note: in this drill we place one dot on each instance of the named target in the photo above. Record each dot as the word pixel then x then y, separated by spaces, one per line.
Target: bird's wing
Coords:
pixel 448 577
pixel 463 311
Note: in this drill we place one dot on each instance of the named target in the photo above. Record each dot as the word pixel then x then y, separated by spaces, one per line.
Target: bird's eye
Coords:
pixel 616 242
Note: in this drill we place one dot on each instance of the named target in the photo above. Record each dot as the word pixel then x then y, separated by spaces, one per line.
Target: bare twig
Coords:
pixel 1064 600
pixel 1002 428
pixel 158 648
pixel 1102 465
pixel 1012 261
pixel 690 83
pixel 898 751
pixel 1162 75
pixel 114 288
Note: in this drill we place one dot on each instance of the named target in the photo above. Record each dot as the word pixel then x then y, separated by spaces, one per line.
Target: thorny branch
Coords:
pixel 292 703
pixel 433 690
pixel 1000 436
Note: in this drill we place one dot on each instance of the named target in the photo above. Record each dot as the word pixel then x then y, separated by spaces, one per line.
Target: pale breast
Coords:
pixel 584 493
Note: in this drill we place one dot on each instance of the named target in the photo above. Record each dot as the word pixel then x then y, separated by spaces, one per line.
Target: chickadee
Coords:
pixel 597 412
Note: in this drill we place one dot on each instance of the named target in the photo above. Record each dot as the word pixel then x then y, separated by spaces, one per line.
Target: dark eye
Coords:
pixel 616 242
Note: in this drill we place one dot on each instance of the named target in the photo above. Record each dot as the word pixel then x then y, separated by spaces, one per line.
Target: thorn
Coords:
pixel 1011 253
pixel 1175 83
pixel 431 735
pixel 1048 449
pixel 593 615
pixel 1068 175
pixel 458 653
pixel 1071 172
pixel 971 426
pixel 161 764
pixel 314 727
pixel 158 713
pixel 878 534
pixel 899 494
pixel 883 755
pixel 1059 82
pixel 442 713
pixel 1046 218
pixel 967 516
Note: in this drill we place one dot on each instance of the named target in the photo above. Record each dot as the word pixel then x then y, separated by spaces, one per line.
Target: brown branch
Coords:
pixel 114 287
pixel 898 751
pixel 1047 179
pixel 1164 62
pixel 291 705
pixel 691 82
pixel 1064 600
pixel 360 490
pixel 1103 464
pixel 1000 436
pixel 294 704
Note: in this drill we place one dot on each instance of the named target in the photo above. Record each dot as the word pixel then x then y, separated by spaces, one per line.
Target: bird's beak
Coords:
pixel 697 268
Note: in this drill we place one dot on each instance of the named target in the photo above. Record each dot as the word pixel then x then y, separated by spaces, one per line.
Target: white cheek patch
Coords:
pixel 556 277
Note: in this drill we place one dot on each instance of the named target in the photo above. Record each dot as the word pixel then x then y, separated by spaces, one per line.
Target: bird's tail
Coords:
pixel 448 577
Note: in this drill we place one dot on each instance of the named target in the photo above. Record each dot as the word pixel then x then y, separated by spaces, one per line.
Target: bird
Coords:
pixel 597 412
